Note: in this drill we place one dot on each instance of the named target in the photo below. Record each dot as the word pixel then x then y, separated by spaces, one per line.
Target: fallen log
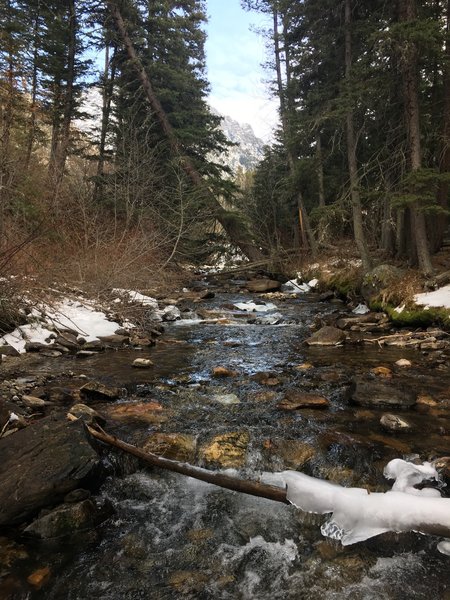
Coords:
pixel 245 486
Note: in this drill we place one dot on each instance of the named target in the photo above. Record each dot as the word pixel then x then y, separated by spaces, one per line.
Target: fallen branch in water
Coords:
pixel 245 486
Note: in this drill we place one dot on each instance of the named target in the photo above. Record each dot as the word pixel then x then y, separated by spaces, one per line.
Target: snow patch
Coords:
pixel 438 299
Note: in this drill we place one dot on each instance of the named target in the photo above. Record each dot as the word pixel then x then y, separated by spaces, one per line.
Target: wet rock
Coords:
pixel 268 378
pixel 293 453
pixel 87 414
pixel 35 402
pixel 403 362
pixel 51 353
pixel 116 341
pixel 369 319
pixel 326 336
pixel 262 396
pixel 171 313
pixel 35 346
pixel 141 341
pixel 96 391
pixel 392 422
pixel 144 412
pixel 65 520
pixel 306 366
pixel 142 363
pixel 68 341
pixel 228 450
pixel 77 496
pixel 397 445
pixel 263 285
pixel 8 350
pixel 223 372
pixel 188 582
pixel 86 353
pixel 382 372
pixel 176 446
pixel 325 296
pixel 40 464
pixel 294 400
pixel 426 400
pixel 38 579
pixel 61 395
pixel 367 392
pixel 226 399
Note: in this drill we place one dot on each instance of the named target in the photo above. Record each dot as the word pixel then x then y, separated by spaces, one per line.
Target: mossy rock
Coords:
pixel 377 284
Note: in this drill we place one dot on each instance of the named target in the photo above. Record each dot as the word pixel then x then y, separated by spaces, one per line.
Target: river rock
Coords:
pixel 326 336
pixel 294 400
pixel 144 412
pixel 394 423
pixel 369 392
pixel 39 578
pixel 226 399
pixel 115 340
pixel 403 362
pixel 8 350
pixel 96 391
pixel 176 446
pixel 10 553
pixel 261 286
pixel 40 464
pixel 382 372
pixel 142 363
pixel 65 520
pixel 223 372
pixel 228 450
pixel 293 453
pixel 87 414
pixel 68 341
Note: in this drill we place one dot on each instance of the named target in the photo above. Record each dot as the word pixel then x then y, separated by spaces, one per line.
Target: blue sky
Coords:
pixel 234 56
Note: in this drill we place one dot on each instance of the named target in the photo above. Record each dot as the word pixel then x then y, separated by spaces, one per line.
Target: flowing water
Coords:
pixel 175 537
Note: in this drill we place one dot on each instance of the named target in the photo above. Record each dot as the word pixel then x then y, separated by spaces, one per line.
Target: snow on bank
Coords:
pixel 77 315
pixel 438 299
pixel 358 515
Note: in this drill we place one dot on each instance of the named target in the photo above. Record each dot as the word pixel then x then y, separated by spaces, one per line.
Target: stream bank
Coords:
pixel 231 390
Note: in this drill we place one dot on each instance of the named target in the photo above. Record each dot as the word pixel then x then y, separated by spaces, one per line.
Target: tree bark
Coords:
pixel 358 229
pixel 304 223
pixel 319 161
pixel 31 134
pixel 233 227
pixel 253 488
pixel 412 118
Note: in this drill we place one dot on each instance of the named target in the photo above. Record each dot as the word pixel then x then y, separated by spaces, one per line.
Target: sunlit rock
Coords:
pixel 145 412
pixel 176 446
pixel 223 372
pixel 228 450
pixel 293 453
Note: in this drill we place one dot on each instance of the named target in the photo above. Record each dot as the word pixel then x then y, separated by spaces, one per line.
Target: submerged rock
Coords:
pixel 367 392
pixel 86 414
pixel 293 453
pixel 40 464
pixel 96 391
pixel 326 336
pixel 145 412
pixel 223 372
pixel 228 450
pixel 176 446
pixel 226 399
pixel 394 423
pixel 295 399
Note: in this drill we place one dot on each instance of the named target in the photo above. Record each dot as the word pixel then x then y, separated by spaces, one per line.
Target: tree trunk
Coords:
pixel 234 228
pixel 412 118
pixel 358 229
pixel 284 114
pixel 62 138
pixel 107 93
pixel 31 134
pixel 319 162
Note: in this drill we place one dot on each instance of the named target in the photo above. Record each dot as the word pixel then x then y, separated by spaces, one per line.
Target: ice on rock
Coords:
pixel 358 515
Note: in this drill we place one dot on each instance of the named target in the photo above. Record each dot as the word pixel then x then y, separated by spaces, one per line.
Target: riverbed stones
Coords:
pixel 226 399
pixel 391 422
pixel 372 393
pixel 142 363
pixel 144 412
pixel 65 520
pixel 261 286
pixel 223 372
pixel 382 372
pixel 326 336
pixel 93 391
pixel 86 414
pixel 294 400
pixel 227 450
pixel 176 446
pixel 40 464
pixel 293 453
pixel 403 362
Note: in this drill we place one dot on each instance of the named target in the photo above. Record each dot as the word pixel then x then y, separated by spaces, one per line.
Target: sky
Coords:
pixel 234 54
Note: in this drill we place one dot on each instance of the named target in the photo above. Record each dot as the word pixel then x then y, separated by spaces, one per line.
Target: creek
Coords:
pixel 175 537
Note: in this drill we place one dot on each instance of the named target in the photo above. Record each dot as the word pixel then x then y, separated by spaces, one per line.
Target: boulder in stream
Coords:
pixel 326 336
pixel 96 391
pixel 261 286
pixel 294 400
pixel 392 422
pixel 42 463
pixel 370 392
pixel 176 446
pixel 227 450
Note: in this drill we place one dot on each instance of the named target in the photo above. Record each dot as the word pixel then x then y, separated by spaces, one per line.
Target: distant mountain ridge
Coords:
pixel 250 149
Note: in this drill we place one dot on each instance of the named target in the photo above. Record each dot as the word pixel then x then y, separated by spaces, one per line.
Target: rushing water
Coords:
pixel 173 536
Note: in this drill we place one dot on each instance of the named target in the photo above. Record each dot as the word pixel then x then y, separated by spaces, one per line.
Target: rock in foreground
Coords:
pixel 40 464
